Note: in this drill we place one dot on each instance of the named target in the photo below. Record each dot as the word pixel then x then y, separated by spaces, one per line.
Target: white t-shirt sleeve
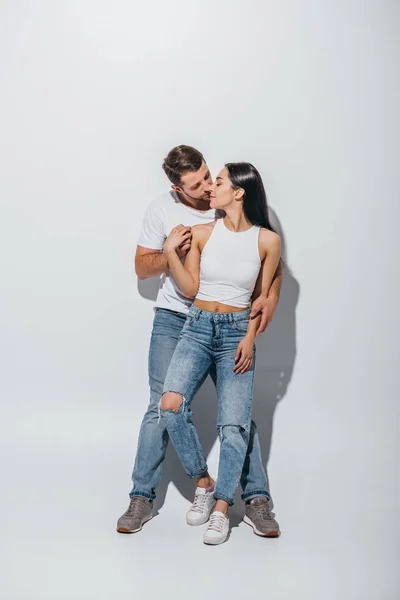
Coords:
pixel 152 234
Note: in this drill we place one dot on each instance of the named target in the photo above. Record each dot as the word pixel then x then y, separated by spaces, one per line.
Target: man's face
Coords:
pixel 196 185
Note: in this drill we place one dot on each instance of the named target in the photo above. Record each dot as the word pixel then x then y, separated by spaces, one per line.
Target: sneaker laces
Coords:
pixel 263 510
pixel 135 506
pixel 199 502
pixel 216 522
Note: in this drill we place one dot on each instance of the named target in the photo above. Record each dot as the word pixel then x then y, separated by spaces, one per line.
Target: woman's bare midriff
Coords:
pixel 216 307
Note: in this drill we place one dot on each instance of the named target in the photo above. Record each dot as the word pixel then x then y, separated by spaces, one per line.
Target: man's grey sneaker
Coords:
pixel 138 513
pixel 259 516
pixel 201 508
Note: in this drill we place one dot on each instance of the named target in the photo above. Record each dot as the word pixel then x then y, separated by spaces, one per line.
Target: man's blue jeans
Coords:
pixel 153 436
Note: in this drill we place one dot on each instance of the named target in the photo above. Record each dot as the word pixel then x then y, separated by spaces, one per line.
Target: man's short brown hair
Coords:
pixel 181 160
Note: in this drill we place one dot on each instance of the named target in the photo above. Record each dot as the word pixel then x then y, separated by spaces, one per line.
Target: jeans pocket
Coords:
pixel 241 325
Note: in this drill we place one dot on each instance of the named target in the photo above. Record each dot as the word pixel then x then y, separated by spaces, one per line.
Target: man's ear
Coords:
pixel 176 188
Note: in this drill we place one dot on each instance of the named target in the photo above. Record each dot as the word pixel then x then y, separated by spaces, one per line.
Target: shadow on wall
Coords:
pixel 276 354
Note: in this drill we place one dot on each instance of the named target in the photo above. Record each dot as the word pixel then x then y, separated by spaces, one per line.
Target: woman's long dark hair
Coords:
pixel 244 175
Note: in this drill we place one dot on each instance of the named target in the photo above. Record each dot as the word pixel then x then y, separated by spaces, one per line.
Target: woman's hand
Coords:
pixel 180 235
pixel 244 355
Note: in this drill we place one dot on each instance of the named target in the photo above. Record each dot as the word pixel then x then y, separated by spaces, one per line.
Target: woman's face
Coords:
pixel 222 192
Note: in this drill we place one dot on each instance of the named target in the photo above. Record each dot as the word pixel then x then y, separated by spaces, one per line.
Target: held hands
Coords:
pixel 244 355
pixel 179 240
pixel 183 249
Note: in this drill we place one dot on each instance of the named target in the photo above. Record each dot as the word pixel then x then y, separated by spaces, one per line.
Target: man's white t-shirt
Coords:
pixel 162 215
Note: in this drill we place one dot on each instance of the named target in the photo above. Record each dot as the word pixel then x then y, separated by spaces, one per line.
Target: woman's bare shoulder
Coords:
pixel 269 242
pixel 203 229
pixel 269 238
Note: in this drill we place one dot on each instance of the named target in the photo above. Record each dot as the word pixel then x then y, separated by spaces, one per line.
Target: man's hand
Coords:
pixel 267 307
pixel 179 236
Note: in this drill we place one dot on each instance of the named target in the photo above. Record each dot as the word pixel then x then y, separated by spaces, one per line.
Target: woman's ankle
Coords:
pixel 221 506
pixel 205 481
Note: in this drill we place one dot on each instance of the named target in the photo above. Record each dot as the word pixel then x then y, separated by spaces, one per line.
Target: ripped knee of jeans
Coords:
pixel 172 402
pixel 231 430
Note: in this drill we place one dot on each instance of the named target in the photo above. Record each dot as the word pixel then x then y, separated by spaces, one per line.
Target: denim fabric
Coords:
pixel 209 339
pixel 153 436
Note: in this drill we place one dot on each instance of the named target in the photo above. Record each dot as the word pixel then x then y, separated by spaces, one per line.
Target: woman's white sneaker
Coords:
pixel 200 511
pixel 217 530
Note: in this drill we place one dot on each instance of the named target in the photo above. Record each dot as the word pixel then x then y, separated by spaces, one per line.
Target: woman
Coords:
pixel 230 264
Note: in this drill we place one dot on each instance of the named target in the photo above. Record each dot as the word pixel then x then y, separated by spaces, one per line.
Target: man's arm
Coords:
pixel 276 284
pixel 149 263
pixel 266 303
pixel 153 263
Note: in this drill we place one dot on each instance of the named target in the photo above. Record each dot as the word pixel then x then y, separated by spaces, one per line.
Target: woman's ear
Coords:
pixel 239 194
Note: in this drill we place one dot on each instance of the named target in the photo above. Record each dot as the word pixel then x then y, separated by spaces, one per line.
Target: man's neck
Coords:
pixel 199 205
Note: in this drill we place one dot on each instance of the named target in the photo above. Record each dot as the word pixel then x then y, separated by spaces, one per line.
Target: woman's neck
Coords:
pixel 236 221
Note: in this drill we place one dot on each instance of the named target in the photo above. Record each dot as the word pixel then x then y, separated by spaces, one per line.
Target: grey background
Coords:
pixel 93 95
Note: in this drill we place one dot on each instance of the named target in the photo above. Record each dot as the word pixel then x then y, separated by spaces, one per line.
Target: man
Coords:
pixel 187 203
